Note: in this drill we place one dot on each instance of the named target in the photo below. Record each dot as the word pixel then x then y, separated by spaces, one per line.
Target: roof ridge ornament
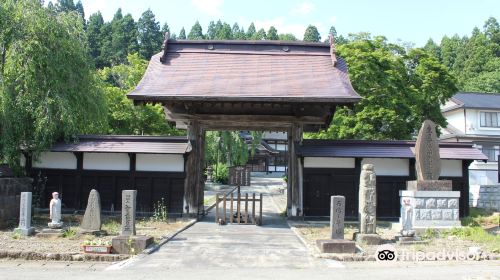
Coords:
pixel 333 50
pixel 163 58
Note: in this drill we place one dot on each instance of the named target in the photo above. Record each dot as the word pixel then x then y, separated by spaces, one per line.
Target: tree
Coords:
pixel 196 32
pixel 433 48
pixel 149 36
pixel 287 37
pixel 48 90
pixel 95 39
pixel 260 35
pixel 312 34
pixel 165 29
pixel 333 32
pixel 122 36
pixel 223 31
pixel 65 6
pixel 238 33
pixel 272 34
pixel 251 31
pixel 211 30
pixel 182 34
pixel 123 116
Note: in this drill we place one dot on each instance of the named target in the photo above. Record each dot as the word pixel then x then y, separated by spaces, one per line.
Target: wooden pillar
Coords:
pixel 465 174
pixel 201 168
pixel 79 202
pixel 357 174
pixel 294 177
pixel 412 170
pixel 193 171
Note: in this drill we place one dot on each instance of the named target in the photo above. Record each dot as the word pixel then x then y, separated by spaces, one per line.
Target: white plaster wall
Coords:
pixel 106 161
pixel 281 147
pixel 159 162
pixel 389 166
pixel 456 119
pixel 473 117
pixel 328 162
pixel 451 168
pixel 274 135
pixel 55 160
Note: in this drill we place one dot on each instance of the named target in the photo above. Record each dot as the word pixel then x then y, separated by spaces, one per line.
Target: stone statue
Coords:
pixel 367 200
pixel 428 161
pixel 55 211
pixel 92 218
pixel 407 218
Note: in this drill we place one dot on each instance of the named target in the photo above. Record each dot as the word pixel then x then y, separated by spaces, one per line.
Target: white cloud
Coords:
pixel 302 9
pixel 209 7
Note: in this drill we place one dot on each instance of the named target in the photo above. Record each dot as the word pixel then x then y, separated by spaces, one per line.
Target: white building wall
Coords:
pixel 159 162
pixel 389 166
pixel 55 160
pixel 474 123
pixel 456 119
pixel 106 161
pixel 451 168
pixel 328 162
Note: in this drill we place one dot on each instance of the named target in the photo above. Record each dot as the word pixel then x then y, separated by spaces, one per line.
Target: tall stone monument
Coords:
pixel 25 227
pixel 128 242
pixel 337 243
pixel 367 207
pixel 129 203
pixel 92 219
pixel 428 202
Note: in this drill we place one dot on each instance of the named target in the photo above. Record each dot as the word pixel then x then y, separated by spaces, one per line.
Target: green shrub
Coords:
pixel 221 173
pixel 112 227
pixel 160 211
pixel 476 234
pixel 69 232
pixel 430 233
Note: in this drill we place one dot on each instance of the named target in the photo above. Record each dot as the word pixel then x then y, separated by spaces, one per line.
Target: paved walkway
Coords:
pixel 208 245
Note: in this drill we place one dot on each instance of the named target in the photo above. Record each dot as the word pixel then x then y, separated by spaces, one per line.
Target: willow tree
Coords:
pixel 47 86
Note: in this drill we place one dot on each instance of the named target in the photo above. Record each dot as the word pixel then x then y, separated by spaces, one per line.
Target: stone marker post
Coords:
pixel 92 218
pixel 129 202
pixel 337 216
pixel 25 227
pixel 337 243
pixel 367 207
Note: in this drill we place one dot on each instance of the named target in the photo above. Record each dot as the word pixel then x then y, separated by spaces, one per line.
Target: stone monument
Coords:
pixel 337 243
pixel 128 242
pixel 367 207
pixel 92 219
pixel 55 212
pixel 428 202
pixel 25 227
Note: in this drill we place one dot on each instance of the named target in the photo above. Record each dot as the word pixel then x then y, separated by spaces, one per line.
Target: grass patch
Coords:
pixel 208 201
pixel 476 234
pixel 69 232
pixel 111 226
pixel 481 217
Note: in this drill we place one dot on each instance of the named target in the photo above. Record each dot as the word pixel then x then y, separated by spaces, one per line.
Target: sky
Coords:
pixel 399 20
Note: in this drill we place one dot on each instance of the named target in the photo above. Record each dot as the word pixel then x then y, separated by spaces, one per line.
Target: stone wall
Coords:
pixel 489 197
pixel 434 208
pixel 10 193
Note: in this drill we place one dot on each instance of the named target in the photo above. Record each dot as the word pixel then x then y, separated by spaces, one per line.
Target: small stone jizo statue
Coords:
pixel 407 219
pixel 55 211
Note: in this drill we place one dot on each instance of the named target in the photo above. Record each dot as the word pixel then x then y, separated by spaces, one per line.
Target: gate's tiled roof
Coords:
pixel 246 71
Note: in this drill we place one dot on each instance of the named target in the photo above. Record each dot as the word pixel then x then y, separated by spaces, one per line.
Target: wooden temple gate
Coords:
pixel 203 85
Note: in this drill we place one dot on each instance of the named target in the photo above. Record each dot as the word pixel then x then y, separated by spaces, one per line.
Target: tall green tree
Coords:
pixel 65 6
pixel 95 39
pixel 165 28
pixel 211 30
pixel 149 35
pixel 272 34
pixel 47 87
pixel 311 34
pixel 182 34
pixel 251 31
pixel 238 33
pixel 433 48
pixel 259 35
pixel 123 37
pixel 287 37
pixel 196 32
pixel 223 32
pixel 123 116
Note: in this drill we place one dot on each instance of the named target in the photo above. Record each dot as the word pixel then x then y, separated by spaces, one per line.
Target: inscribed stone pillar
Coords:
pixel 129 203
pixel 367 200
pixel 92 218
pixel 337 216
pixel 25 227
pixel 428 161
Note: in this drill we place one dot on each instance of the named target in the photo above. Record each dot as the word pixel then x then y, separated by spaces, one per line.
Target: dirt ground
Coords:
pixel 72 241
pixel 312 231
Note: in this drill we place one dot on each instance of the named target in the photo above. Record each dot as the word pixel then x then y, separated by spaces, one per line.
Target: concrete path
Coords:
pixel 209 245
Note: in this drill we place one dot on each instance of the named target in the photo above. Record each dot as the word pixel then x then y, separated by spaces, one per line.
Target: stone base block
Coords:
pixel 55 225
pixel 25 231
pixel 366 238
pixel 133 244
pixel 50 233
pixel 339 246
pixel 429 185
pixel 409 240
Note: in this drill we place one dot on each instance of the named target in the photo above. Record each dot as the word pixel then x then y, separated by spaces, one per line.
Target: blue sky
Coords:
pixel 414 21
